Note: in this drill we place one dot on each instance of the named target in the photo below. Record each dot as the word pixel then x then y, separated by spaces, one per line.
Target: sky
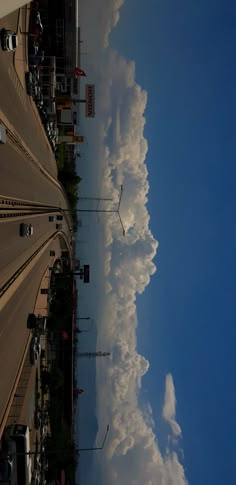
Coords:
pixel 162 297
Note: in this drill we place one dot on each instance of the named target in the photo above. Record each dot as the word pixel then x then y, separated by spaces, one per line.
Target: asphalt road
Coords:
pixel 20 178
pixel 17 106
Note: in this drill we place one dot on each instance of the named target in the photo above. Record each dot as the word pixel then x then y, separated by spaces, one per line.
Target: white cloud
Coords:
pixel 169 408
pixel 118 151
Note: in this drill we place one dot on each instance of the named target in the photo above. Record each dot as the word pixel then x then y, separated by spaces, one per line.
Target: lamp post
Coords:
pixel 97 447
pixel 64 450
pixel 117 211
pixel 85 318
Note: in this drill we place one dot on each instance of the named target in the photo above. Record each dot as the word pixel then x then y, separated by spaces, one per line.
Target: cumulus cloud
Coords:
pixel 118 152
pixel 169 408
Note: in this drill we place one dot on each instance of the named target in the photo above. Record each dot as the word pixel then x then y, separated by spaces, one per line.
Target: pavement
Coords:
pixel 17 107
pixel 21 53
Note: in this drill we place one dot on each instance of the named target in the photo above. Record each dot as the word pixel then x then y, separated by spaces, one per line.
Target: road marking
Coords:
pixel 20 278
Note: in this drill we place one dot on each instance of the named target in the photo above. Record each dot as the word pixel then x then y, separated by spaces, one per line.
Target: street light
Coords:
pixel 97 447
pixel 85 318
pixel 117 211
pixel 64 450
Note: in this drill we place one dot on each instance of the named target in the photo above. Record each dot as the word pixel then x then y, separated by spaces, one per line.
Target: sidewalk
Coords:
pixel 21 53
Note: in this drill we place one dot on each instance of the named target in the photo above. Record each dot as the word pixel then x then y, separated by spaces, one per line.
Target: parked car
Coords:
pixel 39 99
pixel 35 349
pixel 38 59
pixel 26 230
pixel 29 83
pixel 37 462
pixel 9 40
pixel 44 463
pixel 53 144
pixel 36 478
pixel 44 116
pixel 33 48
pixel 37 419
pixel 36 74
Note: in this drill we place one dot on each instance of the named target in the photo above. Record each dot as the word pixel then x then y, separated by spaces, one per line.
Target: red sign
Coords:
pixel 90 101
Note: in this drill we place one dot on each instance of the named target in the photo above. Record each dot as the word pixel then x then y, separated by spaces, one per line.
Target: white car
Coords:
pixel 9 40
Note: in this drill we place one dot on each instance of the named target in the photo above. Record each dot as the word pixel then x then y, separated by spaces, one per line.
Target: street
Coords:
pixel 29 173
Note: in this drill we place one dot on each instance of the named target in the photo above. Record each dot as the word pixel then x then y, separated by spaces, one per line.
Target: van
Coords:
pixel 19 433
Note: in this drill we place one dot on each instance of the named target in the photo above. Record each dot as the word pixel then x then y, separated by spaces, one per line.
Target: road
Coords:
pixel 32 178
pixel 17 106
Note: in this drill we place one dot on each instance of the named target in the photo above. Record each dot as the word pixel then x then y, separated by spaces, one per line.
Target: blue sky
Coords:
pixel 184 54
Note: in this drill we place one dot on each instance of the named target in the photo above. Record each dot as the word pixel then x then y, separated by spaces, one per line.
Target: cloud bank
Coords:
pixel 132 456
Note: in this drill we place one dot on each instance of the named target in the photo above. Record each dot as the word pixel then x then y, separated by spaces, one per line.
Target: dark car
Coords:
pixel 33 48
pixel 38 59
pixel 37 419
pixel 26 230
pixel 29 83
pixel 35 349
pixel 32 86
pixel 44 116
